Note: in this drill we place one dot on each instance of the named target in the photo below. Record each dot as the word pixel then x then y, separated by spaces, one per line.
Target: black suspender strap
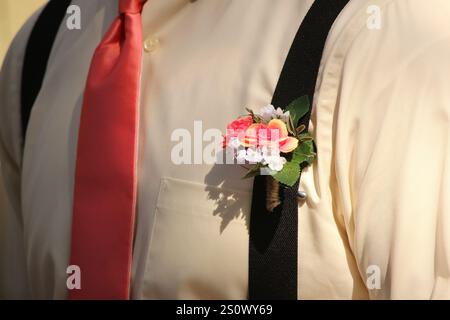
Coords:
pixel 273 256
pixel 37 52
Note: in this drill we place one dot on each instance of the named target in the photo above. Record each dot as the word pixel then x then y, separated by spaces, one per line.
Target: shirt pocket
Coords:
pixel 199 243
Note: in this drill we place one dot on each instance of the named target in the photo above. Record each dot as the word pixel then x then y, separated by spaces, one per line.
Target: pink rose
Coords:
pixel 237 128
pixel 275 132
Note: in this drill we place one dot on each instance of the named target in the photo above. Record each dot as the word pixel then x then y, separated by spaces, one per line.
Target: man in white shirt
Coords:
pixel 375 220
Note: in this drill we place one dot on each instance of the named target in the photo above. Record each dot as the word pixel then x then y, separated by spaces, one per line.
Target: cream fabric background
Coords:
pixel 378 194
pixel 13 14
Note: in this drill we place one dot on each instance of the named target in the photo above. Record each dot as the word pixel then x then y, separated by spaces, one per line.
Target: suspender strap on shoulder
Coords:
pixel 273 256
pixel 37 53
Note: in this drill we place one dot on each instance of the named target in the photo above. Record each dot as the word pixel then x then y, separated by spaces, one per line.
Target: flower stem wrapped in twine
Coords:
pixel 272 193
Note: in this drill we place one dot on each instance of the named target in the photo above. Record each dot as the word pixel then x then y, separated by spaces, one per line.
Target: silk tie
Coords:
pixel 105 177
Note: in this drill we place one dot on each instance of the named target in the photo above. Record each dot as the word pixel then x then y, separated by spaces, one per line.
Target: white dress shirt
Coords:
pixel 378 204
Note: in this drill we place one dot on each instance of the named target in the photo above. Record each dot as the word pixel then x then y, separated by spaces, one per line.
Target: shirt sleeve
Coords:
pixel 392 151
pixel 13 267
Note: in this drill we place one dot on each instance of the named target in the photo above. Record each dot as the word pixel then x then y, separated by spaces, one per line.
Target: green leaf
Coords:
pixel 300 129
pixel 298 108
pixel 291 127
pixel 289 174
pixel 253 172
pixel 305 137
pixel 304 154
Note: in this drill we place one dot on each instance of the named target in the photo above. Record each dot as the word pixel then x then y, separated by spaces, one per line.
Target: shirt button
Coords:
pixel 302 195
pixel 151 44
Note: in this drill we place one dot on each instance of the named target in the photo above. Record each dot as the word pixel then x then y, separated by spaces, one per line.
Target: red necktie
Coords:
pixel 105 177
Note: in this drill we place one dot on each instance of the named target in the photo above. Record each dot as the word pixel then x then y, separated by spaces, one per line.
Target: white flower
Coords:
pixel 241 155
pixel 275 163
pixel 254 155
pixel 280 114
pixel 284 115
pixel 267 113
pixel 272 158
pixel 269 151
pixel 250 155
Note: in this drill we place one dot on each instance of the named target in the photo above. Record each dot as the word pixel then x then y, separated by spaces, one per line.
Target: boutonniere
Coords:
pixel 271 142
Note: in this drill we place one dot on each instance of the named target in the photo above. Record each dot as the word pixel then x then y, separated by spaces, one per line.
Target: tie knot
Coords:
pixel 131 6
